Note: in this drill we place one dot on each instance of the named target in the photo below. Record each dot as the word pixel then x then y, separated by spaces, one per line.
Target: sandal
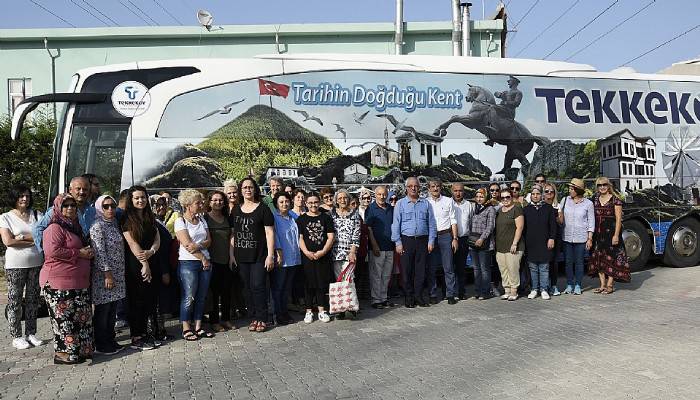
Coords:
pixel 599 290
pixel 253 326
pixel 201 333
pixel 189 335
pixel 262 327
pixel 609 290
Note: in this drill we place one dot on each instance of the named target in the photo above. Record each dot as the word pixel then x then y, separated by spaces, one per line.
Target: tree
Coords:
pixel 28 159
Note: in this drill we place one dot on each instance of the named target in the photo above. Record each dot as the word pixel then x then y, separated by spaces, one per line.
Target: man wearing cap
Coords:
pixel 510 100
pixel 577 215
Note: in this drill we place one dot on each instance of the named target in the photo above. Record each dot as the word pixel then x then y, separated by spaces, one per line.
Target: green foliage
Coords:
pixel 27 160
pixel 379 171
pixel 263 137
pixel 586 162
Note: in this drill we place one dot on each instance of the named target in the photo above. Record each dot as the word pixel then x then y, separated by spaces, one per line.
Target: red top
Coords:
pixel 63 269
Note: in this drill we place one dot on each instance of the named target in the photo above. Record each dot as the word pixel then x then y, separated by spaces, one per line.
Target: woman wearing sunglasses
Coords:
pixel 108 281
pixel 327 197
pixel 608 260
pixel 550 197
pixel 509 246
pixel 577 216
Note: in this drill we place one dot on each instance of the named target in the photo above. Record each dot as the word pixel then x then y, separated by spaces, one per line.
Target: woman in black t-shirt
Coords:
pixel 254 247
pixel 316 236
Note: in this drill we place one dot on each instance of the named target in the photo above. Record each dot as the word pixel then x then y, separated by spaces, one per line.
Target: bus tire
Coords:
pixel 682 246
pixel 637 243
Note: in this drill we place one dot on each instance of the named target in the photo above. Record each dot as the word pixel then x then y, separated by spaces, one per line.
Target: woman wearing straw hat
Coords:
pixel 608 260
pixel 578 218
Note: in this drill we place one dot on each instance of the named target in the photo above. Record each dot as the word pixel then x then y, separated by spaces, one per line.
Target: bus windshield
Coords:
pixel 98 149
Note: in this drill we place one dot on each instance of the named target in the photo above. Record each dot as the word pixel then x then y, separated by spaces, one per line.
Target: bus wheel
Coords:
pixel 637 244
pixel 682 247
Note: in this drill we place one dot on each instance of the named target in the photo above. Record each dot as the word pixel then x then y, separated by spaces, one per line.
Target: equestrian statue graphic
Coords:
pixel 497 122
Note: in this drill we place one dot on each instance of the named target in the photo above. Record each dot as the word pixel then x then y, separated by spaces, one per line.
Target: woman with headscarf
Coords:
pixel 540 233
pixel 65 282
pixel 108 282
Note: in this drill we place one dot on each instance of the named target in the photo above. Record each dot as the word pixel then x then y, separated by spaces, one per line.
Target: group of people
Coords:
pixel 93 256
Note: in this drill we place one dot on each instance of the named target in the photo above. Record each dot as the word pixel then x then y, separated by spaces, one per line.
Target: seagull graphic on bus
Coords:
pixel 225 109
pixel 339 128
pixel 308 117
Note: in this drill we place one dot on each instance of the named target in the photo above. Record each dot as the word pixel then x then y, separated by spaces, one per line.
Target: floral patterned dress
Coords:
pixel 107 241
pixel 606 258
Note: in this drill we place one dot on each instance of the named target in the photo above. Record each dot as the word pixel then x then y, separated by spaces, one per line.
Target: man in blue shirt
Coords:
pixel 379 217
pixel 414 231
pixel 80 190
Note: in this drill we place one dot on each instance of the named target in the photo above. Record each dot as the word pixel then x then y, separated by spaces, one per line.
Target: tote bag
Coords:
pixel 342 295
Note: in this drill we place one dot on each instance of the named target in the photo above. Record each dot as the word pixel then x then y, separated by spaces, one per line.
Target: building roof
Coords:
pixel 408 136
pixel 194 31
pixel 383 147
pixel 638 138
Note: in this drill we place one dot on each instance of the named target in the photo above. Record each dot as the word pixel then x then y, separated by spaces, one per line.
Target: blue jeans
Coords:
pixel 573 254
pixel 282 279
pixel 481 262
pixel 443 245
pixel 539 273
pixel 194 283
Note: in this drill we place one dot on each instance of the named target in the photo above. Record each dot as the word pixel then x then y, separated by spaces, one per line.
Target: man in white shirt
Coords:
pixel 464 209
pixel 446 243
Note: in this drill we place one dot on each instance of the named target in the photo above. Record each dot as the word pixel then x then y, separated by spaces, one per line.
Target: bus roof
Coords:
pixel 294 63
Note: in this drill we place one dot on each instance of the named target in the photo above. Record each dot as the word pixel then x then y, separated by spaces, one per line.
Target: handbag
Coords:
pixel 472 238
pixel 342 295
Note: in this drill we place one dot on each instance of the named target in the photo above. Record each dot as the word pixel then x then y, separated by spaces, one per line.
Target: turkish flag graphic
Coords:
pixel 273 89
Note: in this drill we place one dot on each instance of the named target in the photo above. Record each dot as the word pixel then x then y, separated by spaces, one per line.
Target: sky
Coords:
pixel 540 28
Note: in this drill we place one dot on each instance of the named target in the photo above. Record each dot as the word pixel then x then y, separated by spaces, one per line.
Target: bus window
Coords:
pixel 98 149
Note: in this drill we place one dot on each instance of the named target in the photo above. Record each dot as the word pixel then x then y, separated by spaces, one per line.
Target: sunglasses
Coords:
pixel 69 205
pixel 110 205
pixel 602 185
pixel 366 198
pixel 505 197
pixel 539 181
pixel 493 190
pixel 549 191
pixel 328 196
pixel 515 188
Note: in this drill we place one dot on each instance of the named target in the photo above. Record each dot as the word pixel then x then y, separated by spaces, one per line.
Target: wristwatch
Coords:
pixel 20 236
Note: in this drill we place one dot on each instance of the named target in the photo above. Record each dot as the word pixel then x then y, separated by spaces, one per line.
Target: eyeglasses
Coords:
pixel 69 205
pixel 327 196
pixel 110 205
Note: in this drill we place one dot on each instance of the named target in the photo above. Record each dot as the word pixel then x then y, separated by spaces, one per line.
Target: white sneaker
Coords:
pixel 35 341
pixel 545 295
pixel 309 317
pixel 532 295
pixel 324 317
pixel 505 296
pixel 20 343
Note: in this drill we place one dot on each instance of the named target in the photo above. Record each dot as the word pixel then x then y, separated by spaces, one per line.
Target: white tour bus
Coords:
pixel 358 120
